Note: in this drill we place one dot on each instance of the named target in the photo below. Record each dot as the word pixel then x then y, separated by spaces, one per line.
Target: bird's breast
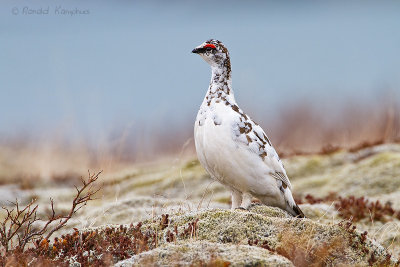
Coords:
pixel 215 146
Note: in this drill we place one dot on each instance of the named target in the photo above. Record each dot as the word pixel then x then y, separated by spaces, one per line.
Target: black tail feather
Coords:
pixel 299 213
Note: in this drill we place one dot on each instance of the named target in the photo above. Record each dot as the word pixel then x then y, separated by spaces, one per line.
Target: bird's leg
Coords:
pixel 236 198
pixel 246 202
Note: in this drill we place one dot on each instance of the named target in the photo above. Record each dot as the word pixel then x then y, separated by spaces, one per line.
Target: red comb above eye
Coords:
pixel 209 45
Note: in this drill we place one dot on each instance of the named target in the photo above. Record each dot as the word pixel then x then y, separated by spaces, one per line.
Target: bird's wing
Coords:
pixel 249 134
pixel 283 177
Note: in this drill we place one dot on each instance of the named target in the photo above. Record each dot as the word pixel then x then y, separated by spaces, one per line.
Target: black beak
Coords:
pixel 198 50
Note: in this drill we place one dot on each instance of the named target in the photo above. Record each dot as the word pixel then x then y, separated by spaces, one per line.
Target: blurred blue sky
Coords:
pixel 128 63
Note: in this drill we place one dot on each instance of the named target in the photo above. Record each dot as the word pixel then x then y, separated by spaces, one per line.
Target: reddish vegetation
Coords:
pixel 356 241
pixel 99 247
pixel 91 248
pixel 95 248
pixel 19 227
pixel 19 224
pixel 366 144
pixel 359 208
pixel 263 245
pixel 356 209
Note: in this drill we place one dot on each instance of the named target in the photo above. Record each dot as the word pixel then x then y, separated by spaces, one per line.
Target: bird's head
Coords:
pixel 213 52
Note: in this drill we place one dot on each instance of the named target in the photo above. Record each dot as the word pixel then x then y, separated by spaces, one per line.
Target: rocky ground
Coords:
pixel 200 228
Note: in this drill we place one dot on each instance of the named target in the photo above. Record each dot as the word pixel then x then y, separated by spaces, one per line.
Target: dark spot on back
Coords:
pixel 248 127
pixel 235 108
pixel 266 138
pixel 248 139
pixel 259 138
pixel 284 185
pixel 263 155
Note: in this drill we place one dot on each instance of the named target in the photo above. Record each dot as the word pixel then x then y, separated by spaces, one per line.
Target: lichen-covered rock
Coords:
pixel 199 253
pixel 302 241
pixel 371 172
pixel 321 212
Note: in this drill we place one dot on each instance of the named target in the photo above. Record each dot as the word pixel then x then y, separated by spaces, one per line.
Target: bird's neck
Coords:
pixel 221 85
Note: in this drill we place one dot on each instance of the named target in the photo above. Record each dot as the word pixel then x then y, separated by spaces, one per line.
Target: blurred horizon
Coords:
pixel 125 68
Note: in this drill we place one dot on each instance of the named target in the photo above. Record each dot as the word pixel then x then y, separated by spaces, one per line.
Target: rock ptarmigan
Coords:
pixel 233 148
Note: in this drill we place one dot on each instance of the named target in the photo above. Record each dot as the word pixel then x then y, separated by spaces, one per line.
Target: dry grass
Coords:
pixel 303 129
pixel 299 129
pixel 302 250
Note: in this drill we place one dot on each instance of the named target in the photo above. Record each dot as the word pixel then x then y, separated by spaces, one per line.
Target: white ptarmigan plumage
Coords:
pixel 232 147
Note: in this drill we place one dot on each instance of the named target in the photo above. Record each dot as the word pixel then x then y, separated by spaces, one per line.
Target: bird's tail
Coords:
pixel 298 211
pixel 291 205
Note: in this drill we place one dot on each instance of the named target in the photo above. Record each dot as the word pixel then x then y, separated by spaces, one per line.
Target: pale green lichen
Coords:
pixel 384 158
pixel 372 175
pixel 199 253
pixel 312 166
pixel 191 164
pixel 273 226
